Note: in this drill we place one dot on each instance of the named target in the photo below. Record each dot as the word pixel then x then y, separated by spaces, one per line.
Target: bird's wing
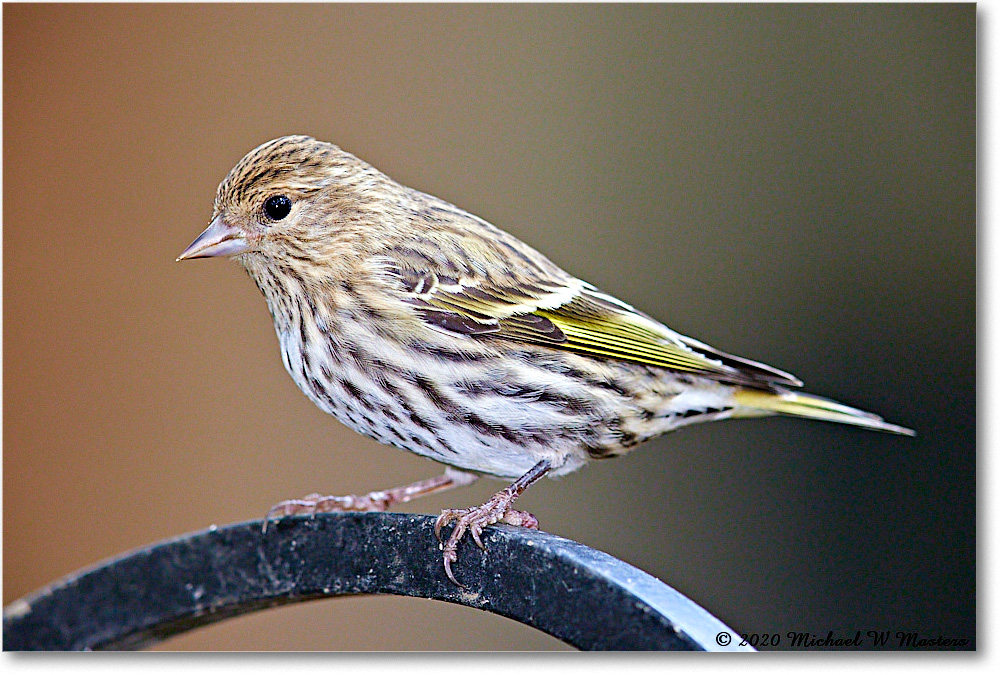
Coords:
pixel 569 314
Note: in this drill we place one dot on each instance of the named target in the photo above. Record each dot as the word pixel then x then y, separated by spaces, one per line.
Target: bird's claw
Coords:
pixel 315 503
pixel 473 520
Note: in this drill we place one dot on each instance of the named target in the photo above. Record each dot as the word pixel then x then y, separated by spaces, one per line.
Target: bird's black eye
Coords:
pixel 277 207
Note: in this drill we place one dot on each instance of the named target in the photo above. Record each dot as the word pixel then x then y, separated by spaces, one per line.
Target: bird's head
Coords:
pixel 290 198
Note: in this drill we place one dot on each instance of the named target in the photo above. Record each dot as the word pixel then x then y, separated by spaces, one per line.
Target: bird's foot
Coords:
pixel 378 500
pixel 316 503
pixel 496 510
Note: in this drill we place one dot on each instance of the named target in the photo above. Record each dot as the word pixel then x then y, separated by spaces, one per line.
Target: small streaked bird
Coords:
pixel 425 327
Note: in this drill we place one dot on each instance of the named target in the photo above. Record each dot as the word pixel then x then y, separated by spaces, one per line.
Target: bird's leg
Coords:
pixel 379 500
pixel 496 510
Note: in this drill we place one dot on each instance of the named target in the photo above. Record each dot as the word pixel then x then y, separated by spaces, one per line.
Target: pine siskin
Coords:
pixel 425 327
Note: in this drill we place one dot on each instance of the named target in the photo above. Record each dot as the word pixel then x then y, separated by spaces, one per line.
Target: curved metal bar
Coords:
pixel 586 598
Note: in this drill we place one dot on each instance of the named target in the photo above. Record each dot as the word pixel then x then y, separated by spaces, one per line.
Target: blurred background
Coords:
pixel 791 183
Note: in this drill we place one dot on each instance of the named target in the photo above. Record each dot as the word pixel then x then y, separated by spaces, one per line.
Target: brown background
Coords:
pixel 790 183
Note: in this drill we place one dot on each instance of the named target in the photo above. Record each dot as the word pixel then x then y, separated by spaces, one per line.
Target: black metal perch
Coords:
pixel 583 597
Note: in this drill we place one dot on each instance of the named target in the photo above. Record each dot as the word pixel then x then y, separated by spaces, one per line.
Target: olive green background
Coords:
pixel 794 184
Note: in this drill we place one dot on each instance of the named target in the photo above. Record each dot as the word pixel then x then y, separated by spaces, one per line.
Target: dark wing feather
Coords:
pixel 573 316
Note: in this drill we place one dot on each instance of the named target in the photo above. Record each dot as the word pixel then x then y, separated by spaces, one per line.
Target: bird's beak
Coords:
pixel 218 239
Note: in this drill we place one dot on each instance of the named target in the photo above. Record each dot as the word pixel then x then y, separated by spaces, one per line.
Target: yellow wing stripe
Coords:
pixel 459 302
pixel 601 338
pixel 614 335
pixel 609 341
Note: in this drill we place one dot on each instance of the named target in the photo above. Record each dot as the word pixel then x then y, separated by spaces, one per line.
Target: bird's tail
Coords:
pixel 755 403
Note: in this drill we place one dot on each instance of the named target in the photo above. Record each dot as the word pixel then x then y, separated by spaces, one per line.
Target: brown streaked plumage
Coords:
pixel 425 327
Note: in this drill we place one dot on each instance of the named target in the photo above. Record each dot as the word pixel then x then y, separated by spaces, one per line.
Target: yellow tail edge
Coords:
pixel 754 403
